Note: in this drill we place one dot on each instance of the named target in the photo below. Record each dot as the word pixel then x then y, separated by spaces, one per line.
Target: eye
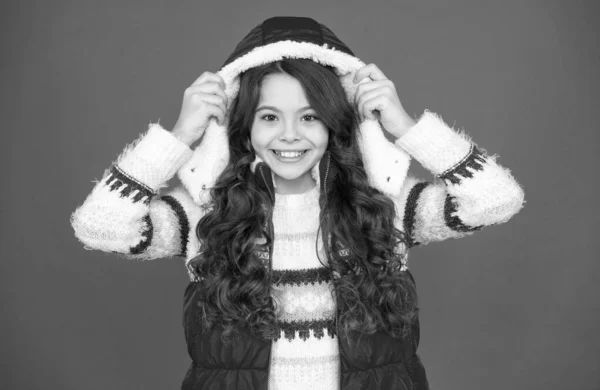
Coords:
pixel 269 116
pixel 314 117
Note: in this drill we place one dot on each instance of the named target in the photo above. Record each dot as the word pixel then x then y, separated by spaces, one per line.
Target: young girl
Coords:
pixel 295 214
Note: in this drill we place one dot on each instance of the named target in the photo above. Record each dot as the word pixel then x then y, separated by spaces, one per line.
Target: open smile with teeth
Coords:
pixel 290 154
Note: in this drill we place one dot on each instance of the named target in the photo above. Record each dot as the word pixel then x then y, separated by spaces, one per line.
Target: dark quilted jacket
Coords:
pixel 378 361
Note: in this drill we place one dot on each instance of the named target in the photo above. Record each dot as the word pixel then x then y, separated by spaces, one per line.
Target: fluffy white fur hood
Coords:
pixel 386 165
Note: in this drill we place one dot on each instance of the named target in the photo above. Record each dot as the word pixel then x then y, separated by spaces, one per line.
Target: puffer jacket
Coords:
pixel 376 361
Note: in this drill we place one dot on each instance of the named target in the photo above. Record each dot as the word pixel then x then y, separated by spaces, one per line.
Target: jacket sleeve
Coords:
pixel 470 190
pixel 132 212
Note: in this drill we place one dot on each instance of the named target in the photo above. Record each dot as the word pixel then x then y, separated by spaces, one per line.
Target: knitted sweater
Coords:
pixel 132 212
pixel 306 353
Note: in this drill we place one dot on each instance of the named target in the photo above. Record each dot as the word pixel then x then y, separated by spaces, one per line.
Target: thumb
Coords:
pixel 370 115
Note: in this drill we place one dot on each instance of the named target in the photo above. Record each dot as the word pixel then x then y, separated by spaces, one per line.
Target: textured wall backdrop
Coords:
pixel 514 306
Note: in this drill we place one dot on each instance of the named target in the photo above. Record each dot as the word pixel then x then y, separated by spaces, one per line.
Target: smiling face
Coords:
pixel 287 133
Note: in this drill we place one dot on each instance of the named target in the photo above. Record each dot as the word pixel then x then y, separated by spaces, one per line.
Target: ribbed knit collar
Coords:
pixel 310 197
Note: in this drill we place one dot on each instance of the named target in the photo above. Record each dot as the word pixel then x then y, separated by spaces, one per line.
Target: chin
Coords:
pixel 291 172
pixel 284 174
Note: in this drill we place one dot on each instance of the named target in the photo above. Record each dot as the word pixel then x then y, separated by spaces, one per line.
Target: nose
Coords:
pixel 289 133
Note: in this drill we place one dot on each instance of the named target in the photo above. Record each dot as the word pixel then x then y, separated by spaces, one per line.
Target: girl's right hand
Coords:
pixel 202 100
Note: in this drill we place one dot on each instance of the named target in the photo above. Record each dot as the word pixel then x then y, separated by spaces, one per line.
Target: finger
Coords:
pixel 221 81
pixel 367 97
pixel 208 88
pixel 200 78
pixel 370 86
pixel 195 97
pixel 212 99
pixel 378 103
pixel 359 75
pixel 376 73
pixel 215 77
pixel 371 71
pixel 216 112
pixel 209 76
pixel 361 89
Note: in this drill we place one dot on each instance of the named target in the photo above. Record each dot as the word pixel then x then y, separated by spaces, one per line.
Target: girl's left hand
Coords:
pixel 378 99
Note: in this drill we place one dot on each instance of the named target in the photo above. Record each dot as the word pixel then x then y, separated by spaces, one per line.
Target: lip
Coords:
pixel 289 159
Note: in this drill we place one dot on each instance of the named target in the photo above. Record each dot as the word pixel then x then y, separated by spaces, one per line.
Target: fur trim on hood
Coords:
pixel 293 37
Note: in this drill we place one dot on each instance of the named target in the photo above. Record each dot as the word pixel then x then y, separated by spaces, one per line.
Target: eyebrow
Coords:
pixel 276 109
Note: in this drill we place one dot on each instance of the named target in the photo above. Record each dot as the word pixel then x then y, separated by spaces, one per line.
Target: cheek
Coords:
pixel 257 138
pixel 323 139
pixel 253 141
pixel 260 140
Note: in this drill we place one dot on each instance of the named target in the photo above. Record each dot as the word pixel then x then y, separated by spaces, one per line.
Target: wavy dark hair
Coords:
pixel 236 287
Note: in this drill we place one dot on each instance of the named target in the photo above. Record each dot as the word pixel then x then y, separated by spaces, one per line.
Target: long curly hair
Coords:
pixel 377 293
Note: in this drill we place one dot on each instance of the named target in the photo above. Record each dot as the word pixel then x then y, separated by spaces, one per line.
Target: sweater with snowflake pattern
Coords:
pixel 133 212
pixel 305 355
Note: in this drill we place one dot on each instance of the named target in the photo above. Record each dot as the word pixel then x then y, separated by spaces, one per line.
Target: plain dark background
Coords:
pixel 515 306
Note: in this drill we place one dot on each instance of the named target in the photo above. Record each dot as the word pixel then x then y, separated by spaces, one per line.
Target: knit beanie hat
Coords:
pixel 304 38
